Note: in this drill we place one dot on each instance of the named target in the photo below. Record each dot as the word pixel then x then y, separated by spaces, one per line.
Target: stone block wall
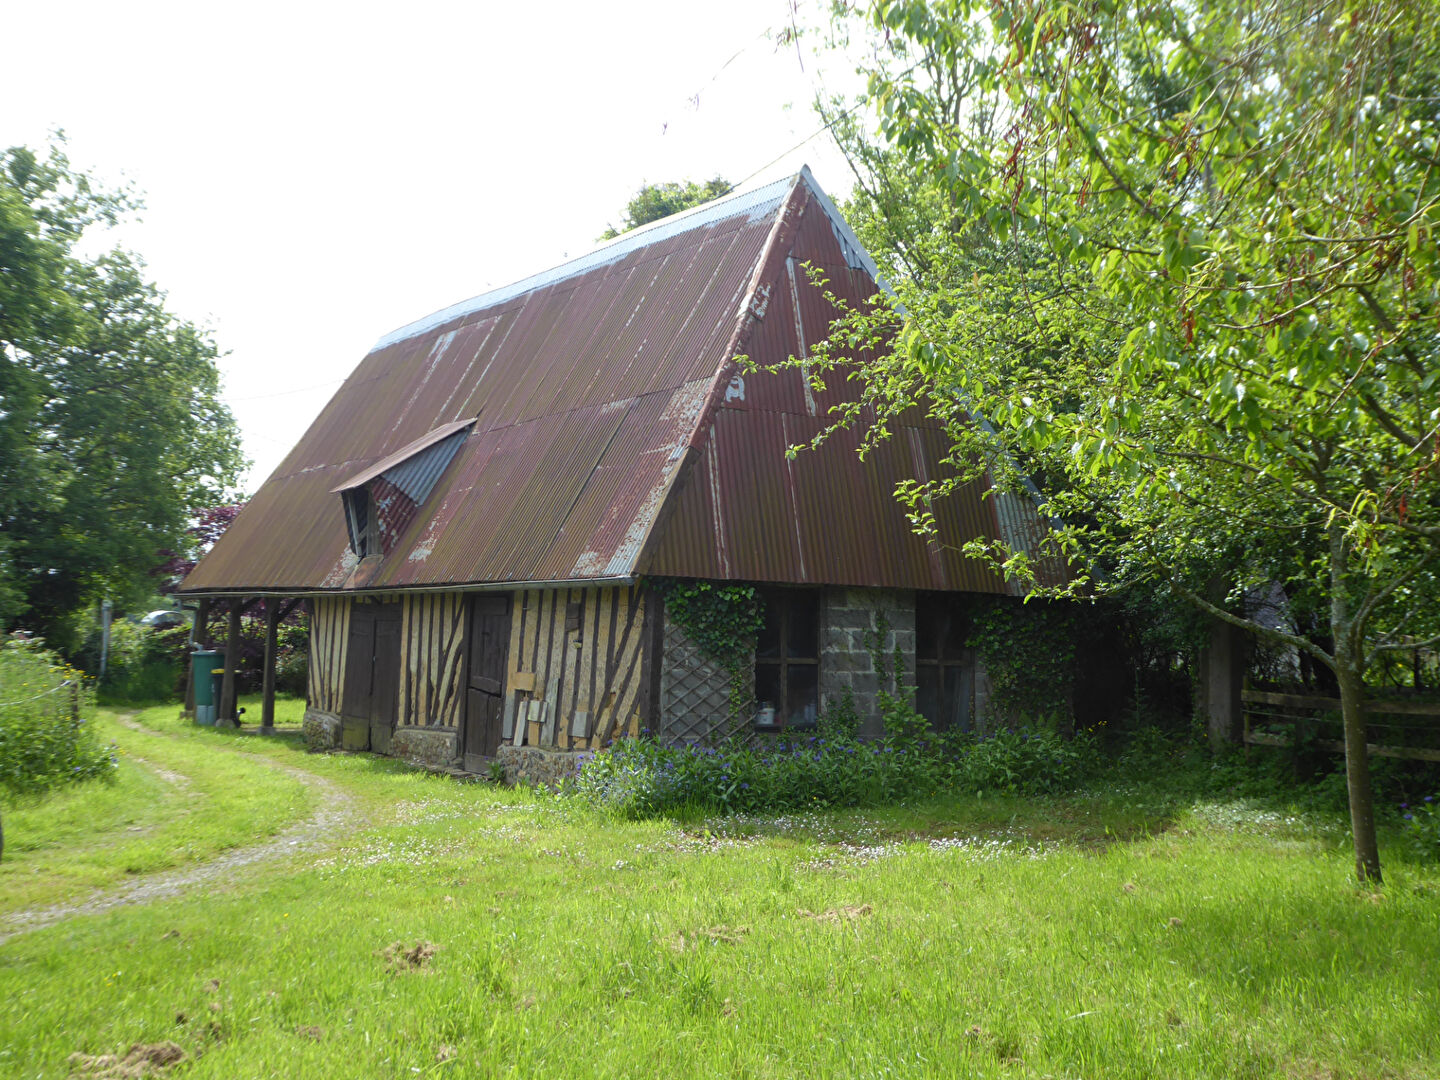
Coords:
pixel 851 619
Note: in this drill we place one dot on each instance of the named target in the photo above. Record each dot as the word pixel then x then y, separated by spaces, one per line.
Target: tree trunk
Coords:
pixel 1350 674
pixel 1357 771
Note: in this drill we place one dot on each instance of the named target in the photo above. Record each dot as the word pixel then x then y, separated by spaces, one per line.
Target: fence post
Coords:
pixel 75 701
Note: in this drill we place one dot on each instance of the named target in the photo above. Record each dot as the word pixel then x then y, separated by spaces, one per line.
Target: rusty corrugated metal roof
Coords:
pixel 612 434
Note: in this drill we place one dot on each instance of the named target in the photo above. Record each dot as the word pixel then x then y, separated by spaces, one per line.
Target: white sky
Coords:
pixel 316 175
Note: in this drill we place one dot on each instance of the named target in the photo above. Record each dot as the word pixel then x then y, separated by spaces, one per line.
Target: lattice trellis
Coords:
pixel 695 694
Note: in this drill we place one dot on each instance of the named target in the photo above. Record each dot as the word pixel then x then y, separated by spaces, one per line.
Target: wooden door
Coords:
pixel 359 679
pixel 385 688
pixel 372 678
pixel 488 644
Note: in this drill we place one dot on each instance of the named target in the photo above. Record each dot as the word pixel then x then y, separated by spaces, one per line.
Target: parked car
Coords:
pixel 165 619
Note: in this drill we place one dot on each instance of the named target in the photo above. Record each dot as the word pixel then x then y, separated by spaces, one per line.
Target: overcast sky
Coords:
pixel 316 175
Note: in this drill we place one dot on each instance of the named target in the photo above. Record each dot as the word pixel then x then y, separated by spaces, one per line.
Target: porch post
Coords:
pixel 228 717
pixel 272 628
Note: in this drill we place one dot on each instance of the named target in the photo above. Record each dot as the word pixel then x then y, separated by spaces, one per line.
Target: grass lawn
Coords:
pixel 1112 936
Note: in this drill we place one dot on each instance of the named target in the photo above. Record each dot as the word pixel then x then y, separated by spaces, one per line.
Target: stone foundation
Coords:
pixel 850 621
pixel 432 747
pixel 537 765
pixel 322 730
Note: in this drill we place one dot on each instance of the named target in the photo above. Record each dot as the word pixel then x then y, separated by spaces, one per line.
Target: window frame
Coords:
pixel 952 606
pixel 781 602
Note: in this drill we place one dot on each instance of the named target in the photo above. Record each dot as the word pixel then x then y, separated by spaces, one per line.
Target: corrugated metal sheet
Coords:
pixel 613 434
pixel 825 516
pixel 549 374
pixel 415 459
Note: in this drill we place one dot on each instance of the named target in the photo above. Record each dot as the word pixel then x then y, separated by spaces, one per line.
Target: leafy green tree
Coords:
pixel 655 201
pixel 111 428
pixel 1183 260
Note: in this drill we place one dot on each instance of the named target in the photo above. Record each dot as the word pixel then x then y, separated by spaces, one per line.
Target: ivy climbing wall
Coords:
pixel 695 692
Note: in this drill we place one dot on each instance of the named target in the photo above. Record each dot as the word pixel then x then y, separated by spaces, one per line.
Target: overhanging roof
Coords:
pixel 611 433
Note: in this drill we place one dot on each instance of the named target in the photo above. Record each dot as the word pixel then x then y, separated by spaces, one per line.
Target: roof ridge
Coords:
pixel 608 252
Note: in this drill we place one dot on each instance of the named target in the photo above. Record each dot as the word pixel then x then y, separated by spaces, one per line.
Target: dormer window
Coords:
pixel 381 502
pixel 361 519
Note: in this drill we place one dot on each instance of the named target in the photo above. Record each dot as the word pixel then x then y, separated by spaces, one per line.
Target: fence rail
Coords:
pixel 1271 709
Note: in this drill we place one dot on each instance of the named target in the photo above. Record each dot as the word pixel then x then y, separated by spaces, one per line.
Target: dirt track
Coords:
pixel 336 810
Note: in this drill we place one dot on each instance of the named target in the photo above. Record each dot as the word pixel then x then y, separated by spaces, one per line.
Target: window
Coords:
pixel 787 658
pixel 944 667
pixel 381 502
pixel 361 518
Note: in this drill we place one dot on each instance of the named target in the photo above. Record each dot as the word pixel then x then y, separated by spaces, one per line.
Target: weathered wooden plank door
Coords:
pixel 488 644
pixel 385 689
pixel 359 679
pixel 372 678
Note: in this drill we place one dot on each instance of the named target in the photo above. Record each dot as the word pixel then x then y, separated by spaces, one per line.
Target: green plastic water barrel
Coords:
pixel 204 662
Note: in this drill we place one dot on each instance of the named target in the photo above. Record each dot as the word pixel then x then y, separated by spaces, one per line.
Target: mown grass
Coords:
pixel 1118 935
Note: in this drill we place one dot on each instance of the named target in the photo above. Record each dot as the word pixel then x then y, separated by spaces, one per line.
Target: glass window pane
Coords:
pixel 767 642
pixel 927 693
pixel 802 639
pixel 956 698
pixel 802 698
pixel 767 686
pixel 929 622
pixel 957 627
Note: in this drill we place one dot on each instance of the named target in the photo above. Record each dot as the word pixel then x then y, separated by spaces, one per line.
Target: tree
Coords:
pixel 655 201
pixel 206 527
pixel 111 427
pixel 1183 261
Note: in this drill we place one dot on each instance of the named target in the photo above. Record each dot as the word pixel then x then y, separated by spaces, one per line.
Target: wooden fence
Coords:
pixel 1405 729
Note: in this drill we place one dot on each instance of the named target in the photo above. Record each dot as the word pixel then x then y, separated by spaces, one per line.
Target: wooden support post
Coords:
pixel 1223 671
pixel 197 641
pixel 272 632
pixel 228 717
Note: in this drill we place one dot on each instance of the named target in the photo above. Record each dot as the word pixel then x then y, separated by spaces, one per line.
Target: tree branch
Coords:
pixel 1254 627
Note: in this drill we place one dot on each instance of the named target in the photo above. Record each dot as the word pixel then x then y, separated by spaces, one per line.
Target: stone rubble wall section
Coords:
pixel 537 765
pixel 433 748
pixel 321 730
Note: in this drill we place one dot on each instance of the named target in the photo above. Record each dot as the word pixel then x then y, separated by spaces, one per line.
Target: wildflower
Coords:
pixel 1409 817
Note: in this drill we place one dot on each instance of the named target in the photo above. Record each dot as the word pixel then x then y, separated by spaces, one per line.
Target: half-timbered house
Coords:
pixel 477 518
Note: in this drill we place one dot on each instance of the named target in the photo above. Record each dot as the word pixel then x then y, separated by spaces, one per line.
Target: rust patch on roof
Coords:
pixel 612 433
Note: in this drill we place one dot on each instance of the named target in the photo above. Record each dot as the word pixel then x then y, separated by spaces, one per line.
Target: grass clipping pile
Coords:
pixel 400 959
pixel 142 1059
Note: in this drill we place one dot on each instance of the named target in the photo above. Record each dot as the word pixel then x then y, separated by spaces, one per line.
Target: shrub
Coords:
pixel 143 664
pixel 641 777
pixel 42 744
pixel 1026 762
pixel 1422 828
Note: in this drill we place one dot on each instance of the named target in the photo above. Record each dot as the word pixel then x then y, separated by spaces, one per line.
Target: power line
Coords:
pixel 283 393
